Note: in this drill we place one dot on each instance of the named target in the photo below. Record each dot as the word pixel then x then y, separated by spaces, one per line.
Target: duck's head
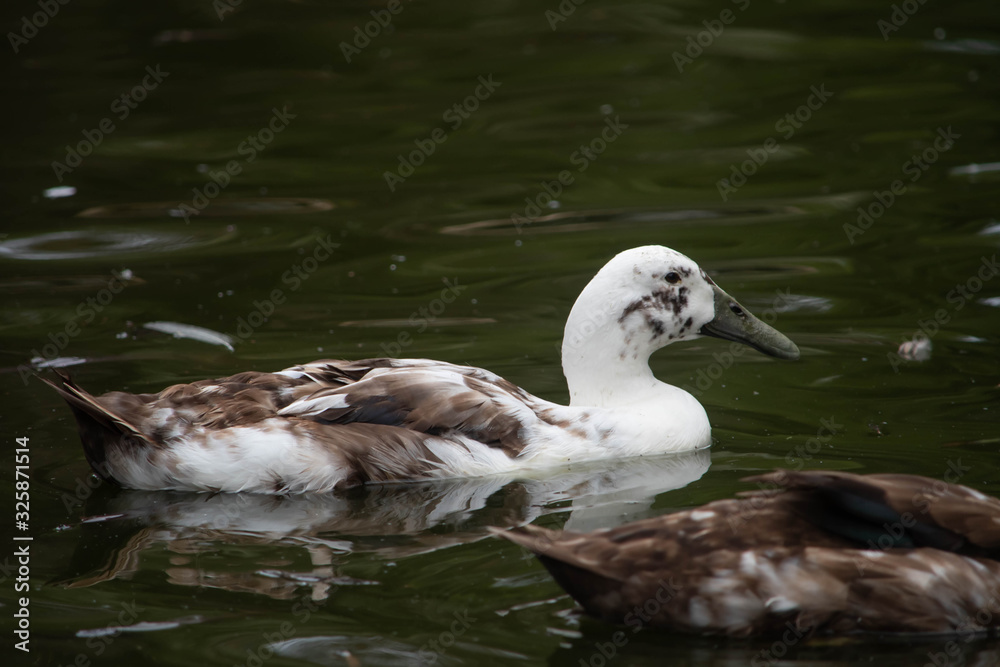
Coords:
pixel 648 297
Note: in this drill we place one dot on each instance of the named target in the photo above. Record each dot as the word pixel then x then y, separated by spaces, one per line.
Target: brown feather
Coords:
pixel 99 427
pixel 416 403
pixel 792 554
pixel 379 434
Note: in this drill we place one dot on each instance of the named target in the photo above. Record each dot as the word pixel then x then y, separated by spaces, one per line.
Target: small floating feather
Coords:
pixel 57 362
pixel 178 330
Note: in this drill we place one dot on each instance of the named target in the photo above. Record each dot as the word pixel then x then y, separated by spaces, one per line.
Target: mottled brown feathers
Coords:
pixel 423 405
pixel 928 512
pixel 813 551
pixel 376 423
pixel 374 453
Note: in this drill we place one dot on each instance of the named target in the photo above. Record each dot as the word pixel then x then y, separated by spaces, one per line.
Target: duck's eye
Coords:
pixel 672 278
pixel 735 307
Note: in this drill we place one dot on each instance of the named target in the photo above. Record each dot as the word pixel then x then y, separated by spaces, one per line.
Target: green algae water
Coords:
pixel 195 189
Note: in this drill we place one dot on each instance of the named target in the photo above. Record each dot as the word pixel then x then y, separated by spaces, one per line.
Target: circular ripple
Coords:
pixel 220 208
pixel 81 244
pixel 577 221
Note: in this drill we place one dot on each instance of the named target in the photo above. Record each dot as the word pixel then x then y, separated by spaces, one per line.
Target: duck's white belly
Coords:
pixel 264 458
pixel 272 457
pixel 590 434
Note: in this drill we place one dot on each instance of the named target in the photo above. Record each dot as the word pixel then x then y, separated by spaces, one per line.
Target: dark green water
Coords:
pixel 408 575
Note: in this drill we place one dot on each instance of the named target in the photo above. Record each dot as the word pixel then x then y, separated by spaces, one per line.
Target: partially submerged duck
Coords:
pixel 807 552
pixel 332 424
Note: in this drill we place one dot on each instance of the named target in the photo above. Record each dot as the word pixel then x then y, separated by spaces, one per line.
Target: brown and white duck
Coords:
pixel 807 552
pixel 331 424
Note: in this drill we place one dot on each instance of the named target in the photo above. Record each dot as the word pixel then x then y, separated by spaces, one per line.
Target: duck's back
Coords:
pixel 809 551
pixel 316 427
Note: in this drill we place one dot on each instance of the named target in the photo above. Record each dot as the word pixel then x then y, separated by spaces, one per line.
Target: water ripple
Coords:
pixel 217 209
pixel 86 243
pixel 575 221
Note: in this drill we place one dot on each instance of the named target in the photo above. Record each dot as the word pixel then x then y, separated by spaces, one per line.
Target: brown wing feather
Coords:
pixel 375 453
pixel 381 433
pixel 922 511
pixel 99 426
pixel 420 401
pixel 767 562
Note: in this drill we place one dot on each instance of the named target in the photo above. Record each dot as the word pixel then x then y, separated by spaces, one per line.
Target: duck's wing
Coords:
pixel 119 425
pixel 681 542
pixel 432 398
pixel 792 554
pixel 650 571
pixel 891 510
pixel 312 427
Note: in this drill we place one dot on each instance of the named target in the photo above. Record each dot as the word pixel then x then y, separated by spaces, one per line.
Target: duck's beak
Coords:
pixel 734 322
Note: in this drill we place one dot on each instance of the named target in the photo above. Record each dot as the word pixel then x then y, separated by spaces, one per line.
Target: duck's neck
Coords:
pixel 602 365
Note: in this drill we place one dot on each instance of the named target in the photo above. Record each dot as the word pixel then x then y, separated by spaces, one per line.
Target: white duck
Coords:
pixel 333 424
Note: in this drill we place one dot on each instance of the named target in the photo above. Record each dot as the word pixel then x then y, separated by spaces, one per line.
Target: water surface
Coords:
pixel 859 211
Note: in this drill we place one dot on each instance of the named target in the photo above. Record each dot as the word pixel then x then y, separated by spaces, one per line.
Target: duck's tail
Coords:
pixel 570 559
pixel 100 428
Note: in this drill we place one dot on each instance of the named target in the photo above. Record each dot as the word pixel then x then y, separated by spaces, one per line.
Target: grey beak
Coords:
pixel 736 323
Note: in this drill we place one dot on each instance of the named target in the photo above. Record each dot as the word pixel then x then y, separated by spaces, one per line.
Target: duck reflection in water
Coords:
pixel 393 521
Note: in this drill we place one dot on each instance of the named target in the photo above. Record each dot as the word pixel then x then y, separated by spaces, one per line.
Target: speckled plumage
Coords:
pixel 809 552
pixel 332 423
